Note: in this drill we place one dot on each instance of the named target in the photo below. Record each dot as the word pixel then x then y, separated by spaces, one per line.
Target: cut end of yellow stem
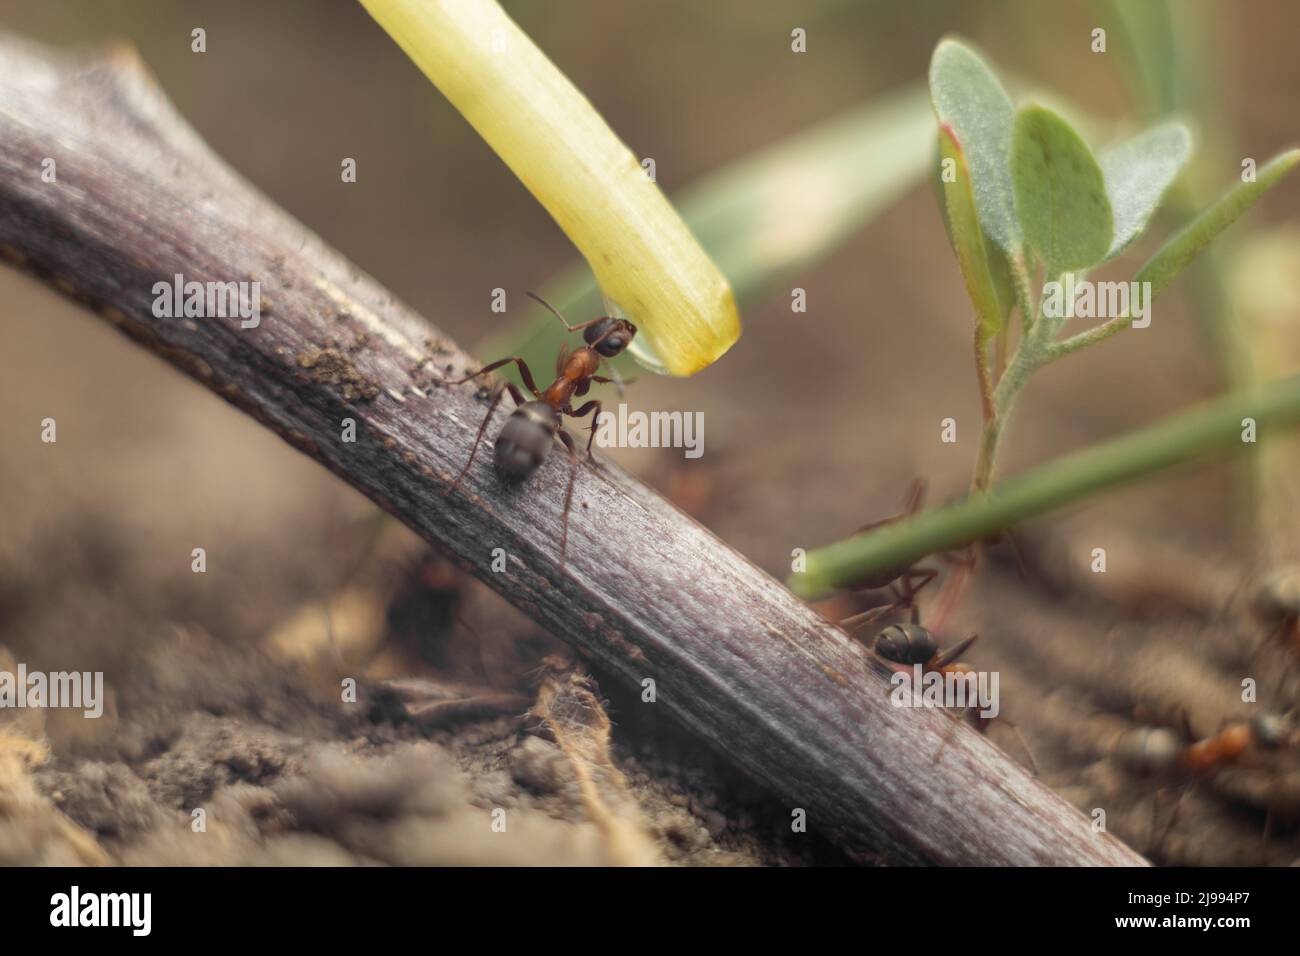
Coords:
pixel 649 266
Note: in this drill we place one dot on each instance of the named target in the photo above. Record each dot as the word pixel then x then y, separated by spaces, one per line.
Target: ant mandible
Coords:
pixel 525 440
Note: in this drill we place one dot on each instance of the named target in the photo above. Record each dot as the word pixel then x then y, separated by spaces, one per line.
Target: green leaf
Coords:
pixel 1174 255
pixel 967 96
pixel 1060 192
pixel 968 240
pixel 1138 172
pixel 769 217
pixel 1162 50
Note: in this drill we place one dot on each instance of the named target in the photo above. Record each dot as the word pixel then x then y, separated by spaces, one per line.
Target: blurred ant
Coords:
pixel 525 440
pixel 1160 750
pixel 911 644
pixel 903 646
pixel 1277 604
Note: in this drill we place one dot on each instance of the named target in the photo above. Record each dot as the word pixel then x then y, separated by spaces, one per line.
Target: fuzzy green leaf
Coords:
pixel 1060 192
pixel 1138 172
pixel 968 240
pixel 1174 255
pixel 967 97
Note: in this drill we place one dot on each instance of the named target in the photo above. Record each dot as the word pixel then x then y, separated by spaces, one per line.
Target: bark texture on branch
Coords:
pixel 647 592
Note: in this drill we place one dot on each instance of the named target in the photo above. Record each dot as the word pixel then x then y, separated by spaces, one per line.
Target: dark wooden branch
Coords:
pixel 647 592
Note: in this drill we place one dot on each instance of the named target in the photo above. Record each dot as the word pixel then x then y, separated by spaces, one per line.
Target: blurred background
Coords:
pixel 817 422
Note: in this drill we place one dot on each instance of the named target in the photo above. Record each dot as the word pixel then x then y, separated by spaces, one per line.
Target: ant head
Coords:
pixel 610 336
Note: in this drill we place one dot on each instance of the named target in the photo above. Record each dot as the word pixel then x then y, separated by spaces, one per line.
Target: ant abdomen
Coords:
pixel 1149 750
pixel 1278 598
pixel 906 644
pixel 525 440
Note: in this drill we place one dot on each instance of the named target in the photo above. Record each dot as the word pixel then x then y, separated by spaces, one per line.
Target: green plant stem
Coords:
pixel 1214 427
pixel 1098 333
pixel 1027 358
pixel 1004 397
pixel 1024 298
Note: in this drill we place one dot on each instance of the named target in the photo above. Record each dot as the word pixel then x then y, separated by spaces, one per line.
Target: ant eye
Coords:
pixel 612 344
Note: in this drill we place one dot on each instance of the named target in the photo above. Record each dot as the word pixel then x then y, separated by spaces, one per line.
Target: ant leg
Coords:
pixel 618 380
pixel 944 658
pixel 911 505
pixel 953 587
pixel 567 439
pixel 915 498
pixel 1022 565
pixel 1158 841
pixel 943 744
pixel 904 596
pixel 524 373
pixel 912 582
pixel 1033 764
pixel 478 439
pixel 584 411
pixel 858 621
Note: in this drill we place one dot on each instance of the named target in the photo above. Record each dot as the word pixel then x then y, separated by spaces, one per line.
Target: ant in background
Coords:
pixel 1159 751
pixel 526 438
pixel 1277 604
pixel 1155 750
pixel 903 646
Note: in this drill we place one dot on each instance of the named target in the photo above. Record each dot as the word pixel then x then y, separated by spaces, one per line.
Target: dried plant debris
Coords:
pixel 432 702
pixel 199 770
pixel 573 716
pixel 33 831
pixel 332 365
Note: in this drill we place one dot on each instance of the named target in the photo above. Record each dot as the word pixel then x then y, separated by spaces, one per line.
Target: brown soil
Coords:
pixel 225 685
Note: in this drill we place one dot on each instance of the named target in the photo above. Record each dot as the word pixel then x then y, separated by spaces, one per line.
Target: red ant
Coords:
pixel 1160 750
pixel 525 440
pixel 903 646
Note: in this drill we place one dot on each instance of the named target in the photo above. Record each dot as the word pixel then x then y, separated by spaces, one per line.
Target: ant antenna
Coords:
pixel 551 309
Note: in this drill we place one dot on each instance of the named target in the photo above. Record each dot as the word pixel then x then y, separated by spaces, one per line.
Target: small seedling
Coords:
pixel 1023 195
